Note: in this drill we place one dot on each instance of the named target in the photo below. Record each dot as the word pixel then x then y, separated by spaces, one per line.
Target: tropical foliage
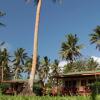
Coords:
pixel 70 49
pixel 44 70
pixel 28 65
pixel 19 60
pixel 1 15
pixel 87 64
pixel 95 37
pixel 55 67
pixel 4 62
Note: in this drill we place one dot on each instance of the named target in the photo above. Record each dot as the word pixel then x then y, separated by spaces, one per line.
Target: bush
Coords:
pixel 3 87
pixel 37 90
pixel 95 88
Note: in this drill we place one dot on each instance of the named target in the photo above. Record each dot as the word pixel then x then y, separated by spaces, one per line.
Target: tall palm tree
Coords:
pixel 35 48
pixel 19 58
pixel 95 37
pixel 70 49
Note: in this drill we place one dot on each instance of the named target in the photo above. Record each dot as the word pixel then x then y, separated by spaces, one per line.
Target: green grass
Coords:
pixel 4 97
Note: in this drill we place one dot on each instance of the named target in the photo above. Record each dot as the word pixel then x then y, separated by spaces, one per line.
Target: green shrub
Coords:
pixel 37 90
pixel 95 87
pixel 4 86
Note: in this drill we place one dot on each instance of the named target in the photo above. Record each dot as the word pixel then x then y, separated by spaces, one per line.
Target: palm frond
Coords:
pixel 95 37
pixel 2 13
pixel 1 24
pixel 70 49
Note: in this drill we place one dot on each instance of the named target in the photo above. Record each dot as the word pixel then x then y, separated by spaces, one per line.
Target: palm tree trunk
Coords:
pixel 35 50
pixel 16 74
pixel 2 74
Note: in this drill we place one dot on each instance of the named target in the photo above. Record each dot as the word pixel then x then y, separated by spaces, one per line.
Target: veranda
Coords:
pixel 76 83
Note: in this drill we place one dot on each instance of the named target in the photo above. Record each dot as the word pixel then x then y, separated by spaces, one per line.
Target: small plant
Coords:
pixel 3 87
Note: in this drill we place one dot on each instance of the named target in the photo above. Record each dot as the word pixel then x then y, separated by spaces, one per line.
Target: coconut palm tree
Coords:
pixel 43 70
pixel 95 37
pixel 55 71
pixel 4 59
pixel 19 58
pixel 55 68
pixel 92 65
pixel 70 49
pixel 35 48
pixel 1 44
pixel 28 66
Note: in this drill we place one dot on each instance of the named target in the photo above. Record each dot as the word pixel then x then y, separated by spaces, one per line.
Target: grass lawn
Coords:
pixel 4 97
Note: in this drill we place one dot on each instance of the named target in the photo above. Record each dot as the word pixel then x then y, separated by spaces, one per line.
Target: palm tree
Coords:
pixel 43 70
pixel 77 66
pixel 28 66
pixel 55 71
pixel 35 48
pixel 55 68
pixel 70 49
pixel 92 65
pixel 19 58
pixel 95 37
pixel 4 59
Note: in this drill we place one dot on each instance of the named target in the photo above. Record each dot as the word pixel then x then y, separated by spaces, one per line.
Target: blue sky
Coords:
pixel 72 16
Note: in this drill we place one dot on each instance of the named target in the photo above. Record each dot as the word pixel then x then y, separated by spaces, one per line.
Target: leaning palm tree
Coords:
pixel 70 49
pixel 35 48
pixel 19 58
pixel 95 37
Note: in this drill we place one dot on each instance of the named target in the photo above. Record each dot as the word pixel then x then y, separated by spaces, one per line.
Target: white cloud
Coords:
pixel 97 59
pixel 62 63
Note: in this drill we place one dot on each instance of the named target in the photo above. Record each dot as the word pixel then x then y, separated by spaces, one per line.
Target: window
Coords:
pixel 91 81
pixel 83 82
pixel 70 84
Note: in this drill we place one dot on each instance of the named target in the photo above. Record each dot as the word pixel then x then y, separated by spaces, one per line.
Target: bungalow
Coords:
pixel 77 83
